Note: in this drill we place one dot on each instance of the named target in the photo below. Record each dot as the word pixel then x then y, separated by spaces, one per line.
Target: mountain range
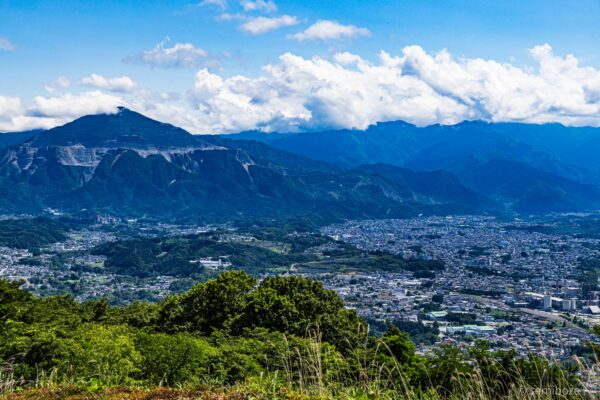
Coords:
pixel 526 168
pixel 127 164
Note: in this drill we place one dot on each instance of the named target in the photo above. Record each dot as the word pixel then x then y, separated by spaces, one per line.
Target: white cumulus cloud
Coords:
pixel 180 55
pixel 258 25
pixel 330 30
pixel 349 91
pixel 48 112
pixel 259 5
pixel 61 82
pixel 422 88
pixel 231 17
pixel 6 44
pixel 74 105
pixel 222 4
pixel 116 84
pixel 10 108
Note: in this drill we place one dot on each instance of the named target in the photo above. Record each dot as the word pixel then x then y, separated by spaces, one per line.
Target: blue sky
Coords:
pixel 45 44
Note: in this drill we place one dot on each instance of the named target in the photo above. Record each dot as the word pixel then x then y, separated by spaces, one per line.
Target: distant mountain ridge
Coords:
pixel 128 164
pixel 528 168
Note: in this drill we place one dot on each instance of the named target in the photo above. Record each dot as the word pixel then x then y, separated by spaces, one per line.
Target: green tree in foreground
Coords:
pixel 282 332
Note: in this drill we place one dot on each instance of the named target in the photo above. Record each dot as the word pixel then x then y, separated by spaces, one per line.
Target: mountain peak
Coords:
pixel 123 129
pixel 124 112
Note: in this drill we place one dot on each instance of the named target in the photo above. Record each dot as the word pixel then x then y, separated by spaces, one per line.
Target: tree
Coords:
pixel 268 309
pixel 447 369
pixel 12 300
pixel 138 314
pixel 208 306
pixel 308 296
pixel 99 354
pixel 298 305
pixel 173 359
pixel 28 348
pixel 437 298
pixel 400 345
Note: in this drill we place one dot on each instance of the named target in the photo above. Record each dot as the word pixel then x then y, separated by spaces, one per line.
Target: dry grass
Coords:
pixel 74 393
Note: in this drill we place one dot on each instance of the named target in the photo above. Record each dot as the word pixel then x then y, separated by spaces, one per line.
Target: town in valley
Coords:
pixel 525 284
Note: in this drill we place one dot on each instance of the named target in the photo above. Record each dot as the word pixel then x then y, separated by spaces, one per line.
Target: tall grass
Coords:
pixel 8 383
pixel 305 375
pixel 318 371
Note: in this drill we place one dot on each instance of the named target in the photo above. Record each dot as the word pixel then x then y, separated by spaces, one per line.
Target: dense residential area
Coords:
pixel 529 290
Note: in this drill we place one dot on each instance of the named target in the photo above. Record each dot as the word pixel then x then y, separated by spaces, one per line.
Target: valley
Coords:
pixel 437 273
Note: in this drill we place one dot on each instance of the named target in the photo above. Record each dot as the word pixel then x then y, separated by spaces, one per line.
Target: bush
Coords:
pixel 104 355
pixel 286 333
pixel 173 360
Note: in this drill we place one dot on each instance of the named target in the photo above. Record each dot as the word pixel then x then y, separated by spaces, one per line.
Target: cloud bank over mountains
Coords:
pixel 345 91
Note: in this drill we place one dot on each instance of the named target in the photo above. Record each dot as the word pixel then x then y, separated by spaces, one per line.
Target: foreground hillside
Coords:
pixel 235 338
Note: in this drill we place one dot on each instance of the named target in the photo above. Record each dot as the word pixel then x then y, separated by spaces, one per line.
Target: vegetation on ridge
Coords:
pixel 31 233
pixel 257 252
pixel 283 337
